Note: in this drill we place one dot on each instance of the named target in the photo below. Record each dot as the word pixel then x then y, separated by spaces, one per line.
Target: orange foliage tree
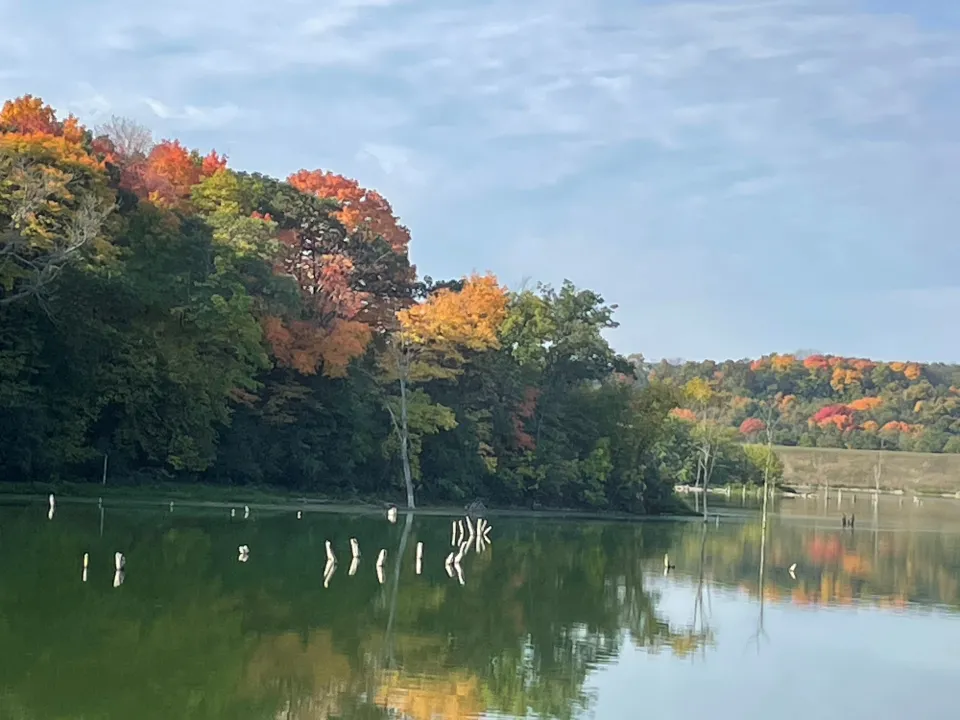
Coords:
pixel 171 171
pixel 839 415
pixel 361 210
pixel 30 127
pixel 865 404
pixel 897 426
pixel 28 115
pixel 350 288
pixel 330 336
pixel 815 362
pixel 685 414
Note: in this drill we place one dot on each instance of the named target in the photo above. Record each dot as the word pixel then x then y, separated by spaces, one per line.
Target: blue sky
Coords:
pixel 740 176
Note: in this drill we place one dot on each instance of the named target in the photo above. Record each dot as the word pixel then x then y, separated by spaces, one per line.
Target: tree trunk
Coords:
pixel 405 437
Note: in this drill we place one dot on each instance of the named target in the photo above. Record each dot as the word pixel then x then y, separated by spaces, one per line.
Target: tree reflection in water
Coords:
pixel 193 633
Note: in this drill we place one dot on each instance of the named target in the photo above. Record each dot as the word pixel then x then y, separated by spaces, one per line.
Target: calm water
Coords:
pixel 554 619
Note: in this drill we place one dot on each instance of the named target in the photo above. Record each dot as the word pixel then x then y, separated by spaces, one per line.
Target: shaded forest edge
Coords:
pixel 166 319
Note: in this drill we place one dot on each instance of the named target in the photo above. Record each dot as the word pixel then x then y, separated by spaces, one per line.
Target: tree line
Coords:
pixel 174 319
pixel 824 400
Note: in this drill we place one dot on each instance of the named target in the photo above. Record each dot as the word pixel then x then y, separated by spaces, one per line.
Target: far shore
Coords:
pixel 802 491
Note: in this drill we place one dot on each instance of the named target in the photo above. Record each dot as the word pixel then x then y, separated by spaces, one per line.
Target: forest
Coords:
pixel 821 400
pixel 164 318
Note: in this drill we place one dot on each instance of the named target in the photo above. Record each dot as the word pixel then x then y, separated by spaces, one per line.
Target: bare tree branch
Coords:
pixel 30 263
pixel 131 141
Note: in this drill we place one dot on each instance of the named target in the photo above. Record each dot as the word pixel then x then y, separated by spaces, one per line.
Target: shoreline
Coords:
pixel 201 496
pixel 808 491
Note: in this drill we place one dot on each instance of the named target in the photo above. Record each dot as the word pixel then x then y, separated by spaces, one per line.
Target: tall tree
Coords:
pixel 430 343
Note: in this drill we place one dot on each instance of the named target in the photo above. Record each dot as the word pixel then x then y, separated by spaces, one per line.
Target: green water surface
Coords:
pixel 558 619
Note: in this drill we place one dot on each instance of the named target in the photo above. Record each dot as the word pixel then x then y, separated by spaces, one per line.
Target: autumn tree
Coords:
pixel 379 250
pixel 431 343
pixel 30 117
pixel 359 209
pixel 53 198
pixel 704 397
pixel 751 426
pixel 170 171
pixel 350 286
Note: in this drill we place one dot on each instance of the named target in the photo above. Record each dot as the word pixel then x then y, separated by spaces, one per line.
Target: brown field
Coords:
pixel 911 472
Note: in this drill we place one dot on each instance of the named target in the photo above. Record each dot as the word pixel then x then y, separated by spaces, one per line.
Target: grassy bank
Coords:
pixel 924 473
pixel 184 492
pixel 265 497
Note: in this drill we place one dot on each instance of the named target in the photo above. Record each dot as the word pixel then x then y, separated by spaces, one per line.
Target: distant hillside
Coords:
pixel 824 400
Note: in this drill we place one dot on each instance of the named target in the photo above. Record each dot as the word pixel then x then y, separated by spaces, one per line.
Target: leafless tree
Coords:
pixel 131 141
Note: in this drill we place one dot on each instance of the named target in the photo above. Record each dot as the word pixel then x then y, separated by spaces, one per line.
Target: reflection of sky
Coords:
pixel 816 663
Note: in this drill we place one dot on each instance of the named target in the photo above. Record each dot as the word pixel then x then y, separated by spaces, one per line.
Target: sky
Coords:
pixel 739 176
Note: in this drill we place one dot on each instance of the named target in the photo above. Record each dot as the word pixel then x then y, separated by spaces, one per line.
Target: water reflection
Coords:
pixel 535 629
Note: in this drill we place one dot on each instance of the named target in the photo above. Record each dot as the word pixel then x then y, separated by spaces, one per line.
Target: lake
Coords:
pixel 558 619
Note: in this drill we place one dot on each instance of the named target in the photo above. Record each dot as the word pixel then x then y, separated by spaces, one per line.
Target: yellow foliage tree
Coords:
pixel 699 391
pixel 53 202
pixel 705 397
pixel 782 363
pixel 429 344
pixel 469 319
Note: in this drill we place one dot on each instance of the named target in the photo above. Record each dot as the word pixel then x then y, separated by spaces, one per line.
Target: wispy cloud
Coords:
pixel 192 116
pixel 640 127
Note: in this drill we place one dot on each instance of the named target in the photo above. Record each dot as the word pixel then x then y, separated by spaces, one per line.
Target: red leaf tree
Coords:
pixel 751 426
pixel 364 211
